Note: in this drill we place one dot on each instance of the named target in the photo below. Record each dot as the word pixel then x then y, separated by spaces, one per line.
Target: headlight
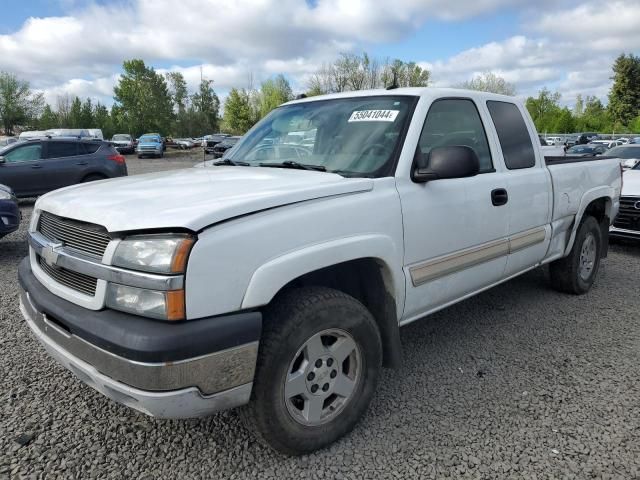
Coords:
pixel 148 303
pixel 154 253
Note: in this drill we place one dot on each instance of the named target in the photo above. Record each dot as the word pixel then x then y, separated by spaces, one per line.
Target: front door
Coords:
pixel 455 229
pixel 22 169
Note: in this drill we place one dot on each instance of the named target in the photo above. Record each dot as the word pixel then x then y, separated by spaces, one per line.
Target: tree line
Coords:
pixel 148 101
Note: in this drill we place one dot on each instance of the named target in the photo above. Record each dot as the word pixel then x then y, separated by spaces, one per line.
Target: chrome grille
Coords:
pixel 74 280
pixel 628 217
pixel 83 237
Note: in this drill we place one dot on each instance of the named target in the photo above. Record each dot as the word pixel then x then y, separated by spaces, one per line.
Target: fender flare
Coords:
pixel 589 196
pixel 273 275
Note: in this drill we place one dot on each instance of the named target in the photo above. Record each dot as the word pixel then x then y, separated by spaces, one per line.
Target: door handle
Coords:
pixel 36 166
pixel 82 163
pixel 499 196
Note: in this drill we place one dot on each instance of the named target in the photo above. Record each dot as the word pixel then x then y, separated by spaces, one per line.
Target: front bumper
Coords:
pixel 150 372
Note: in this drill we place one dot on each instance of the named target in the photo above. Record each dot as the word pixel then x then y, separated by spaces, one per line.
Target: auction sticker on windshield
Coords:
pixel 374 116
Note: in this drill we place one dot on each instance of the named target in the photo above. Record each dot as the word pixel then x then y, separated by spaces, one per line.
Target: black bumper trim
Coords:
pixel 138 338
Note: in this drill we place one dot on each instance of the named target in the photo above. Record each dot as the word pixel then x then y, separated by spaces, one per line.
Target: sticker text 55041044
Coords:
pixel 374 116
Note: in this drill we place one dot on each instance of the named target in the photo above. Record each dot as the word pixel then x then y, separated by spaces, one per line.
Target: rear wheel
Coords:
pixel 577 271
pixel 318 365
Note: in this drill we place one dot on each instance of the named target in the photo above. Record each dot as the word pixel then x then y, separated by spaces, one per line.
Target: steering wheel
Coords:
pixel 369 150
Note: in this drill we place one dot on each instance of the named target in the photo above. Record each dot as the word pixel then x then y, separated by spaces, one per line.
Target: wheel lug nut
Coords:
pixel 325 387
pixel 318 363
pixel 330 362
pixel 314 388
pixel 311 376
pixel 333 374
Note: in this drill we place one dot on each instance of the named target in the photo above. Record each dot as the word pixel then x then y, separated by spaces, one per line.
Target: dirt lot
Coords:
pixel 518 382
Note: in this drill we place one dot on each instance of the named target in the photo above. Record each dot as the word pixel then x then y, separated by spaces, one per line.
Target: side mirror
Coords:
pixel 2 160
pixel 455 161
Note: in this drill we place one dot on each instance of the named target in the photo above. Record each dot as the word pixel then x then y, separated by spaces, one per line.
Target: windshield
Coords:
pixel 149 139
pixel 352 136
pixel 121 137
pixel 624 152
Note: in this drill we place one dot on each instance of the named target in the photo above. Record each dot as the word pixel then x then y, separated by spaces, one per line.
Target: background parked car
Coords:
pixel 150 144
pixel 68 133
pixel 96 133
pixel 35 167
pixel 124 143
pixel 27 135
pixel 9 211
pixel 7 141
pixel 630 154
pixel 184 143
pixel 211 141
pixel 584 138
pixel 627 222
pixel 590 150
pixel 226 144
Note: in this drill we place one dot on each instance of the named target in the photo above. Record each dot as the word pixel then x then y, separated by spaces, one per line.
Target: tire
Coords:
pixel 577 271
pixel 93 178
pixel 298 325
pixel 139 156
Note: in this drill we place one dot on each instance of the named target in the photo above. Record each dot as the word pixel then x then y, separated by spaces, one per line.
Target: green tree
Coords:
pixel 206 106
pixel 624 96
pixel 564 122
pixel 102 120
pixel 19 106
pixel 273 93
pixel 578 110
pixel 544 109
pixel 86 114
pixel 238 116
pixel 177 86
pixel 143 99
pixel 48 119
pixel 490 82
pixel 75 114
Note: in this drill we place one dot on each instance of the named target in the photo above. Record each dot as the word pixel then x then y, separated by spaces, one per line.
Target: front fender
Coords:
pixel 272 276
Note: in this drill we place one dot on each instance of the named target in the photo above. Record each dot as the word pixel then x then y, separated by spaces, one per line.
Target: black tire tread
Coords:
pixel 564 272
pixel 290 303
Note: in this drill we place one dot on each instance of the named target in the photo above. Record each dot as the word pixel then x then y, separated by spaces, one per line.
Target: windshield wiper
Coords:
pixel 226 161
pixel 292 164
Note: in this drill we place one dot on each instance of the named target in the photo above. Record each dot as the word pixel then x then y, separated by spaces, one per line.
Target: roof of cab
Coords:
pixel 410 91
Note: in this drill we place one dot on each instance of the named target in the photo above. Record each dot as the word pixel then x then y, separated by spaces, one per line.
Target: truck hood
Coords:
pixel 193 198
pixel 631 187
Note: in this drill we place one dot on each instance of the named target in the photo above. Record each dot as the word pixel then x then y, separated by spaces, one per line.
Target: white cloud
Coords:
pixel 566 47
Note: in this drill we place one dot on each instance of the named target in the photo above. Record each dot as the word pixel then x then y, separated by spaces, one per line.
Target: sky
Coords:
pixel 78 46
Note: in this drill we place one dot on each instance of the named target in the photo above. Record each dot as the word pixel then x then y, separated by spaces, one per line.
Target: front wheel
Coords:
pixel 318 366
pixel 577 271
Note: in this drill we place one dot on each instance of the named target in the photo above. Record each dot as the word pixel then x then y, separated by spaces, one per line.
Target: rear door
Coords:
pixel 22 169
pixel 528 186
pixel 64 165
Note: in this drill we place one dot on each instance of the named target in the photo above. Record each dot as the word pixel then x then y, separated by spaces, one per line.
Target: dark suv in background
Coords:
pixel 36 167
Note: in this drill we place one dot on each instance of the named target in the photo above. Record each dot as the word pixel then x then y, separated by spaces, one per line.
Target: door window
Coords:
pixel 513 134
pixel 61 149
pixel 25 153
pixel 455 122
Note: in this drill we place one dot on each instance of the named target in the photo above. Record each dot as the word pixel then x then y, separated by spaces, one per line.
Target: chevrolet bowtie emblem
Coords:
pixel 50 253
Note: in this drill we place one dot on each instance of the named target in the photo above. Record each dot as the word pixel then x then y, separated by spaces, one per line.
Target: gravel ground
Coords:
pixel 518 382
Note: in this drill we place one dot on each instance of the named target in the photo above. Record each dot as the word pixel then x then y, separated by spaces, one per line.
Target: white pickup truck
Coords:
pixel 279 277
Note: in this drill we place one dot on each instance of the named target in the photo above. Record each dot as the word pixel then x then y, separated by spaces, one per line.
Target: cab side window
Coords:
pixel 513 134
pixel 456 122
pixel 58 149
pixel 25 153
